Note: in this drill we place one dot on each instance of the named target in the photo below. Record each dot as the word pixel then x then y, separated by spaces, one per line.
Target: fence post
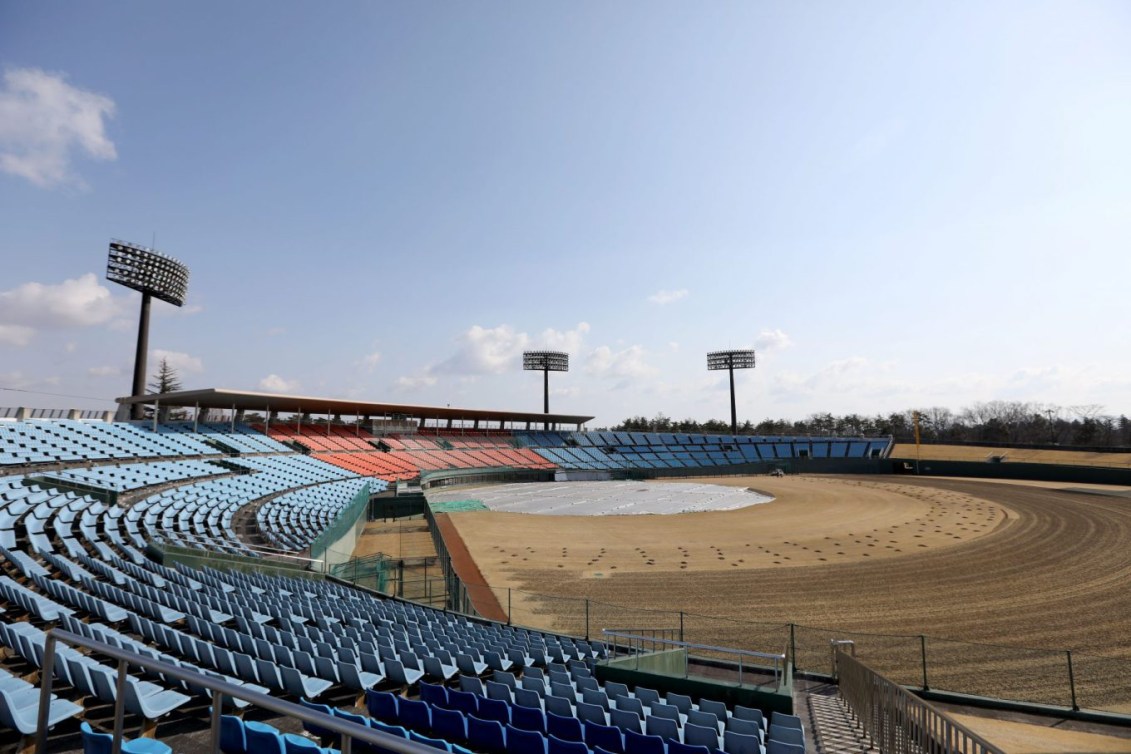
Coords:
pixel 1072 681
pixel 508 605
pixel 681 625
pixel 586 620
pixel 793 646
pixel 923 649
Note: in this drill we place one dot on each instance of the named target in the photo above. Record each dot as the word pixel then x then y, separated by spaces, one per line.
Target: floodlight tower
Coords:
pixel 545 362
pixel 731 360
pixel 153 275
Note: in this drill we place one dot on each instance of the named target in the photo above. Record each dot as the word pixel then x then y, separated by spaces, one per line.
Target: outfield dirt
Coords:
pixel 959 561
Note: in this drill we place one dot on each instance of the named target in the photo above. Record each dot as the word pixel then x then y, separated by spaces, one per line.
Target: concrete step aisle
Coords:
pixel 832 727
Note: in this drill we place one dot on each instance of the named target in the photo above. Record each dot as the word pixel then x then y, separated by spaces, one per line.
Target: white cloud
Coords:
pixel 673 346
pixel 104 371
pixel 19 381
pixel 44 121
pixel 769 341
pixel 485 351
pixel 180 362
pixel 370 361
pixel 273 383
pixel 413 383
pixel 569 340
pixel 16 335
pixel 623 366
pixel 80 301
pixel 275 331
pixel 668 297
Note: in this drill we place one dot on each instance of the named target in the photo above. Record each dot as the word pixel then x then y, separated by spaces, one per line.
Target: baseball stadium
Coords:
pixel 219 570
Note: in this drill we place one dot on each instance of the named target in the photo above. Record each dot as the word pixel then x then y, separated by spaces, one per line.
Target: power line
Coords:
pixel 57 395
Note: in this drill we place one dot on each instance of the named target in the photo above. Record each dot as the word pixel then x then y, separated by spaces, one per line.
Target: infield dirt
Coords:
pixel 959 561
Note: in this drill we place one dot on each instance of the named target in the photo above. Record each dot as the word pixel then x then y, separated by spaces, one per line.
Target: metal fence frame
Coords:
pixel 346 729
pixel 897 721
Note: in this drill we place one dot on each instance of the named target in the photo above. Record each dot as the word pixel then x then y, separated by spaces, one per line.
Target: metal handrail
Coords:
pixel 346 729
pixel 779 659
pixel 897 721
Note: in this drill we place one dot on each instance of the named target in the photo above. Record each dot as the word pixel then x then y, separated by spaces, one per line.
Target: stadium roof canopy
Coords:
pixel 241 401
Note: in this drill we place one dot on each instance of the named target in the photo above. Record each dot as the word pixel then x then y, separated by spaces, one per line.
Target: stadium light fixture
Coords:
pixel 731 360
pixel 152 274
pixel 545 362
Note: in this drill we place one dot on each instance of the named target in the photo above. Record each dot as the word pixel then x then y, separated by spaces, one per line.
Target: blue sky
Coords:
pixel 896 204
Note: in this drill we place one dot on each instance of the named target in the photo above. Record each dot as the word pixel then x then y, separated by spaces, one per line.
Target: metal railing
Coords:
pixel 897 721
pixel 636 644
pixel 344 728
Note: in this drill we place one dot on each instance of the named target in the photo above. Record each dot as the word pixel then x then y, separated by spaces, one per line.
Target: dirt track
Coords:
pixel 1047 568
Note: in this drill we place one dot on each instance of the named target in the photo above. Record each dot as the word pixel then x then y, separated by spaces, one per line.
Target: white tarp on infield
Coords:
pixel 606 498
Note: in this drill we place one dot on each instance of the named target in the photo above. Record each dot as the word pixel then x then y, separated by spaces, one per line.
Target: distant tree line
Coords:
pixel 1010 422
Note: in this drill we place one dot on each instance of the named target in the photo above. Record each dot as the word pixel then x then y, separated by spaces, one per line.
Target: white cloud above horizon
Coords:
pixel 77 302
pixel 180 362
pixel 45 122
pixel 273 383
pixel 663 297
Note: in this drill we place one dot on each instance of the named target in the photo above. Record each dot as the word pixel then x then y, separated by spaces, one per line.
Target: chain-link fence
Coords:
pixel 1036 676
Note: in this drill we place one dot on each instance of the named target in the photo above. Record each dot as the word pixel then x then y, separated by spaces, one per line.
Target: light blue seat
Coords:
pixel 298 684
pixel 94 742
pixel 21 712
pixel 263 738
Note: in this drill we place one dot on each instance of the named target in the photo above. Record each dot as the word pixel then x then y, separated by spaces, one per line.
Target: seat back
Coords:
pixel 681 702
pixel 788 735
pixel 701 735
pixel 625 720
pixel 567 728
pixel 94 742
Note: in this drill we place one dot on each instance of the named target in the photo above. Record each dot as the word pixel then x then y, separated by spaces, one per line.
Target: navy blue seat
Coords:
pixel 313 728
pixel 556 745
pixel 494 709
pixel 487 736
pixel 606 736
pixel 675 747
pixel 634 743
pixel 450 725
pixel 525 741
pixel 463 701
pixel 528 718
pixel 434 694
pixel 435 743
pixel 382 706
pixel 565 728
pixel 780 747
pixel 414 715
pixel 785 734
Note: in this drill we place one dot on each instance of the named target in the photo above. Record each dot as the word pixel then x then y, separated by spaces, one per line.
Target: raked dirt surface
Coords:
pixel 1019 566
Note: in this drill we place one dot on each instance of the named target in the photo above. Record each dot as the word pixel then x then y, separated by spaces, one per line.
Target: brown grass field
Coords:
pixel 964 562
pixel 1012 455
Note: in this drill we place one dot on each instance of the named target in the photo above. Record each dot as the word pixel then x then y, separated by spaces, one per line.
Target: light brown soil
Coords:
pixel 1023 738
pixel 1018 566
pixel 407 538
pixel 1011 455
